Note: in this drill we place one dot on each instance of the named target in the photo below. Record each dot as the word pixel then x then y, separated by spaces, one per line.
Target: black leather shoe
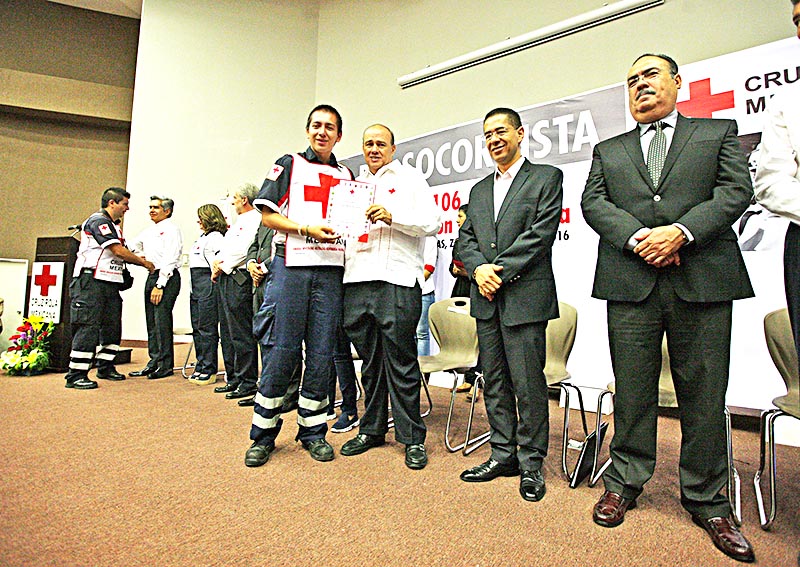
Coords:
pixel 247 402
pixel 362 443
pixel 610 510
pixel 531 485
pixel 240 393
pixel 489 470
pixel 109 374
pixel 319 449
pixel 225 388
pixel 416 457
pixel 727 538
pixel 257 455
pixel 160 373
pixel 82 383
pixel 143 372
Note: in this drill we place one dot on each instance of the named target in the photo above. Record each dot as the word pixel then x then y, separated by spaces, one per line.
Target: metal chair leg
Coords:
pixel 186 366
pixel 452 448
pixel 428 411
pixel 767 452
pixel 471 444
pixel 566 387
pixel 598 472
pixel 734 482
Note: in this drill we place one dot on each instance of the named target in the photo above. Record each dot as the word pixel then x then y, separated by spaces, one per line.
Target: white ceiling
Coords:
pixel 127 8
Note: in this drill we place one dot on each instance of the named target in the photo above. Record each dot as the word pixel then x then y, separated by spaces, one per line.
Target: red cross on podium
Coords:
pixel 45 280
pixel 701 103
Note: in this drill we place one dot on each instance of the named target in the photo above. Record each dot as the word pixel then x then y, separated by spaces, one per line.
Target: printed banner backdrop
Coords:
pixel 563 133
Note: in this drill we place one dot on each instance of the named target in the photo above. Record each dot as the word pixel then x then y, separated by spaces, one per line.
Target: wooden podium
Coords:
pixel 60 249
pixel 65 249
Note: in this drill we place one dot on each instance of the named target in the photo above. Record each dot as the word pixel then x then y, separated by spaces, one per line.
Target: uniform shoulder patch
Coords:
pixel 275 172
pixel 104 229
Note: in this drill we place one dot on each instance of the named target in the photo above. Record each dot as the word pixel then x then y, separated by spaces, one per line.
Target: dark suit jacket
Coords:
pixel 260 250
pixel 704 185
pixel 521 241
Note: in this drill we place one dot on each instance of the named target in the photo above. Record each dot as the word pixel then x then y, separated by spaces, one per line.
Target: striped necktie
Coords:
pixel 657 153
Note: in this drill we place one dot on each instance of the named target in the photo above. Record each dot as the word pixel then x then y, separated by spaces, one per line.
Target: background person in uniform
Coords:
pixel 303 299
pixel 668 261
pixel 259 256
pixel 235 290
pixel 777 182
pixel 95 303
pixel 383 299
pixel 205 305
pixel 506 244
pixel 161 244
pixel 428 285
pixel 461 289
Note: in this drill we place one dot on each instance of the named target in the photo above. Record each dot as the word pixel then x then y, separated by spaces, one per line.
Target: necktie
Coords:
pixel 657 153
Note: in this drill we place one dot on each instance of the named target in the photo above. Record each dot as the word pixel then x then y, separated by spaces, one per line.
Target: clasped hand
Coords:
pixel 659 246
pixel 488 280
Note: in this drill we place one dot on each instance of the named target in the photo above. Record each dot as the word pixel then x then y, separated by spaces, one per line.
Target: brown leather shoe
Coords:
pixel 727 537
pixel 610 510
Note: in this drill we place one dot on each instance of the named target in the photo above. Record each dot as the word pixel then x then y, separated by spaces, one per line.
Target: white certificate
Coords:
pixel 347 207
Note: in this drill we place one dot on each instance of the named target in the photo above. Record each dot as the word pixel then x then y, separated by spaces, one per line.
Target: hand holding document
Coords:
pixel 347 206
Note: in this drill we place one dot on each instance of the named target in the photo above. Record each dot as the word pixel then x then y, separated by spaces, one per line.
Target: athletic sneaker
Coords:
pixel 345 423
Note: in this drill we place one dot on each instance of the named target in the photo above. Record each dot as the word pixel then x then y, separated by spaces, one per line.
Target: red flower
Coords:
pixel 21 329
pixel 13 337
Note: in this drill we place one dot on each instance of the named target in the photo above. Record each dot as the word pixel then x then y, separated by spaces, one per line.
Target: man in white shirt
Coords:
pixel 383 299
pixel 235 287
pixel 777 182
pixel 161 244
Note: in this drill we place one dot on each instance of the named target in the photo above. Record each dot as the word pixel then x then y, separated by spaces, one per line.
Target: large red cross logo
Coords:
pixel 701 103
pixel 322 192
pixel 45 280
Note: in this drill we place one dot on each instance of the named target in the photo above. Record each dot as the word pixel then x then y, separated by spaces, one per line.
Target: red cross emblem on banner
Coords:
pixel 701 103
pixel 45 280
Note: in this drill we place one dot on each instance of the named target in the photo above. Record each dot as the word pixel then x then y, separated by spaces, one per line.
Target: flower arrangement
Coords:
pixel 28 352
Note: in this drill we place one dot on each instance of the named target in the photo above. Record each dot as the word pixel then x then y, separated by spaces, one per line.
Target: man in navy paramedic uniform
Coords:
pixel 95 303
pixel 303 298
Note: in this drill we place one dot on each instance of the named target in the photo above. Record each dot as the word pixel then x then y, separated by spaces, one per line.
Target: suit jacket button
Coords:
pixel 656 198
pixel 493 245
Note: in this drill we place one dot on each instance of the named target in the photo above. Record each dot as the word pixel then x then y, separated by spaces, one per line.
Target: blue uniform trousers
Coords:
pixel 301 304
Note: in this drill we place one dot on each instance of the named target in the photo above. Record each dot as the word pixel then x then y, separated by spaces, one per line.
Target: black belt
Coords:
pixel 87 271
pixel 280 250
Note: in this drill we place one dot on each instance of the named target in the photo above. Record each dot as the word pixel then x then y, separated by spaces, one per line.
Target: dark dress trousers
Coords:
pixel 704 186
pixel 261 251
pixel 511 328
pixel 160 343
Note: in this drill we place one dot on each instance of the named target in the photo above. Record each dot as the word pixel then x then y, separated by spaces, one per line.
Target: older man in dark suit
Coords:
pixel 506 245
pixel 663 198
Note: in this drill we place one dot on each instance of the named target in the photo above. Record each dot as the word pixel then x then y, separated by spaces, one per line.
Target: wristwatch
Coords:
pixel 159 286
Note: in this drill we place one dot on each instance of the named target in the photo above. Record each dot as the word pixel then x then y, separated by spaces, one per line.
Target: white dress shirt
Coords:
pixel 161 244
pixel 430 255
pixel 233 253
pixel 777 183
pixel 394 253
pixel 205 249
pixel 502 183
pixel 646 134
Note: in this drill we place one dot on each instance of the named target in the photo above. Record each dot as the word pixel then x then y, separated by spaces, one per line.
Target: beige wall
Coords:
pixel 221 92
pixel 365 46
pixel 66 78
